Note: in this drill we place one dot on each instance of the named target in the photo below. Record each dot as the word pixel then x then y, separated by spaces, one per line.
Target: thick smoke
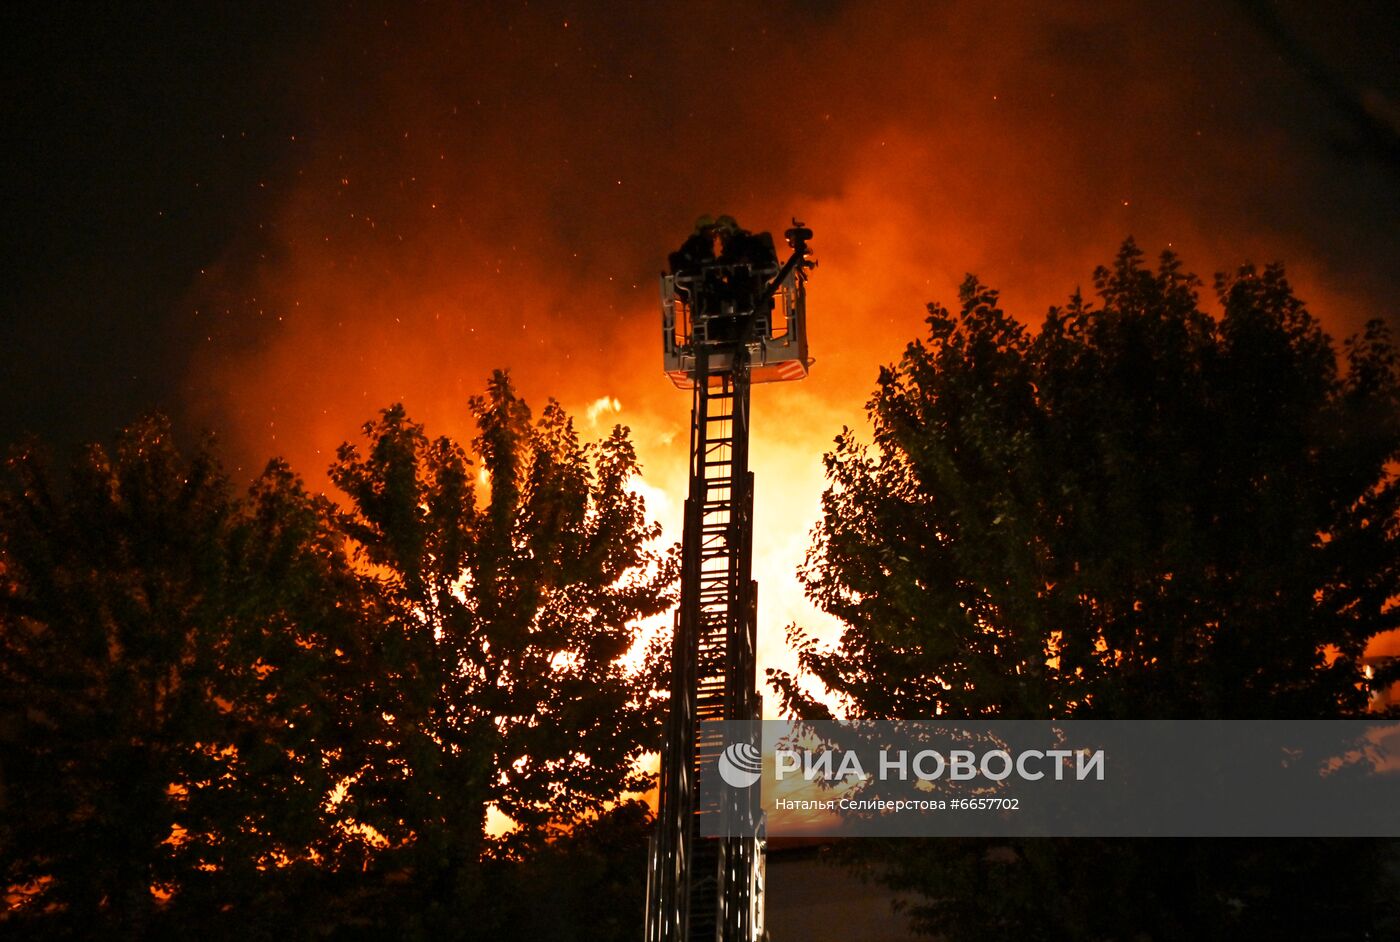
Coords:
pixel 499 188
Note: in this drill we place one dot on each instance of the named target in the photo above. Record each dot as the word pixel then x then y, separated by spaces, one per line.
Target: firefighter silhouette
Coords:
pixel 722 271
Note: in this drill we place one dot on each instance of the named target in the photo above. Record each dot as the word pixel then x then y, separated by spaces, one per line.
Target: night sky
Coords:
pixel 273 220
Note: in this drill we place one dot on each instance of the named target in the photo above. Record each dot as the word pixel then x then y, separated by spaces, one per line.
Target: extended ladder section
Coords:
pixel 729 318
pixel 704 888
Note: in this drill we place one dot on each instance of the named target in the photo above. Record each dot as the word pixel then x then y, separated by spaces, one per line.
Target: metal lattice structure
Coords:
pixel 717 342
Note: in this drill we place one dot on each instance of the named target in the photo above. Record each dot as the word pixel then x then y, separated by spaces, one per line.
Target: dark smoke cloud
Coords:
pixel 476 188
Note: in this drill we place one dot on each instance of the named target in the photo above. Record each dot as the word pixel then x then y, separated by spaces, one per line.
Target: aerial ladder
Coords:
pixel 731 316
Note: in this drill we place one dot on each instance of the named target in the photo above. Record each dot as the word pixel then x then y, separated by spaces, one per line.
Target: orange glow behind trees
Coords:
pixel 500 189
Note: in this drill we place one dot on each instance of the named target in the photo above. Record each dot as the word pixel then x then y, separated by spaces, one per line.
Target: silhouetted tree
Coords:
pixel 215 717
pixel 174 666
pixel 1140 511
pixel 581 885
pixel 509 619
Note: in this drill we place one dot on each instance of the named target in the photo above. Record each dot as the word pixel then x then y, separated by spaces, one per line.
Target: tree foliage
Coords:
pixel 264 714
pixel 166 655
pixel 1139 511
pixel 509 616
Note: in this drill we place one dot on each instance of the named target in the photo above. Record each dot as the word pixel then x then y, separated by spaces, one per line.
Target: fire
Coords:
pixel 479 204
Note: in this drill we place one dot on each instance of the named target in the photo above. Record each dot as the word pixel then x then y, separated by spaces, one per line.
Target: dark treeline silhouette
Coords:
pixel 260 714
pixel 1140 511
pixel 257 713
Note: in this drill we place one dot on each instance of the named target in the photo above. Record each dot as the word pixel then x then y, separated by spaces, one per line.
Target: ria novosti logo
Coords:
pixel 741 765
